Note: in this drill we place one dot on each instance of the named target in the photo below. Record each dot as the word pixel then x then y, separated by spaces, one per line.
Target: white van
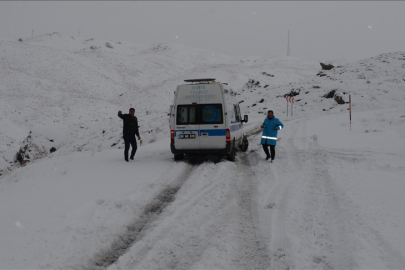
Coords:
pixel 205 119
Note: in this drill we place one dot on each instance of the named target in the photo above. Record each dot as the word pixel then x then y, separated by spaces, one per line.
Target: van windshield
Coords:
pixel 199 114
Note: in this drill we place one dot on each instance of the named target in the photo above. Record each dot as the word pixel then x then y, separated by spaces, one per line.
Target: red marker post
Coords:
pixel 292 105
pixel 350 111
pixel 290 100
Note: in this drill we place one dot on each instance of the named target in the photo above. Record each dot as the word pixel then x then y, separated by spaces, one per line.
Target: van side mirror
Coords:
pixel 245 119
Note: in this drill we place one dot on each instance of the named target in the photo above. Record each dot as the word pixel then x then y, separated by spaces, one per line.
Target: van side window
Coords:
pixel 237 113
pixel 186 114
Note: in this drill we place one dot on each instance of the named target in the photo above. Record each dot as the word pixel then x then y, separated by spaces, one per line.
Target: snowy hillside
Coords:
pixel 332 199
pixel 59 89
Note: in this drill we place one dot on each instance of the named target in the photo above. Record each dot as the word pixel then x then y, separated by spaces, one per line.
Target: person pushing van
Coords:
pixel 129 131
pixel 271 126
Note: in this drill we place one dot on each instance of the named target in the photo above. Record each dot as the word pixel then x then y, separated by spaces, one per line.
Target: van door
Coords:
pixel 187 128
pixel 212 126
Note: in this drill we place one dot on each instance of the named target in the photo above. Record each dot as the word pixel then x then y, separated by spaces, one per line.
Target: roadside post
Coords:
pixel 350 111
pixel 290 99
pixel 292 105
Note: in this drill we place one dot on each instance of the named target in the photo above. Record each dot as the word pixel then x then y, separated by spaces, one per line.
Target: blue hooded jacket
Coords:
pixel 269 135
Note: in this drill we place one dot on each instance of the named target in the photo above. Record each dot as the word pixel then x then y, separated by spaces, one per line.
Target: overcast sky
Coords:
pixel 342 29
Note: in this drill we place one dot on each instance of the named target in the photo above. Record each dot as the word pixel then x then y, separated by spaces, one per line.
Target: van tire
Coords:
pixel 245 144
pixel 178 157
pixel 232 155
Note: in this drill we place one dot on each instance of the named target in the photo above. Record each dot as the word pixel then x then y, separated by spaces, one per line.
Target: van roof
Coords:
pixel 203 81
pixel 200 80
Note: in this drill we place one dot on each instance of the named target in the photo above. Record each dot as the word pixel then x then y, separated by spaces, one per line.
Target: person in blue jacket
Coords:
pixel 271 126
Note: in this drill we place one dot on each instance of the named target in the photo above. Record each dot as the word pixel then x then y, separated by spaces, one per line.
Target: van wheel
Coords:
pixel 245 144
pixel 232 156
pixel 178 157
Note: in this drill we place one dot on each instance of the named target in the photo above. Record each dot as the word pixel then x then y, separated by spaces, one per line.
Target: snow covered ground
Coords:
pixel 332 199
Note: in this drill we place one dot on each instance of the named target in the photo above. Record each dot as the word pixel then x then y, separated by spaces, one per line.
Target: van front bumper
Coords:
pixel 224 151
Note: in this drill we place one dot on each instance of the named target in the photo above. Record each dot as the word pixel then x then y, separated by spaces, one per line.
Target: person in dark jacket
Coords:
pixel 129 131
pixel 271 126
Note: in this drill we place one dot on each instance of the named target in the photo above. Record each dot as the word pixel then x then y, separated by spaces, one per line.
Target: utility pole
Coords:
pixel 288 44
pixel 79 33
pixel 32 34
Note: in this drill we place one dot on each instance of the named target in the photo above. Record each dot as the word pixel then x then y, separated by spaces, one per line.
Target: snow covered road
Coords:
pixel 296 213
pixel 315 223
pixel 299 212
pixel 213 223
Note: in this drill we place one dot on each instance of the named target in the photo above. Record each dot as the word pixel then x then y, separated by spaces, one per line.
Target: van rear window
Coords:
pixel 186 114
pixel 199 114
pixel 211 114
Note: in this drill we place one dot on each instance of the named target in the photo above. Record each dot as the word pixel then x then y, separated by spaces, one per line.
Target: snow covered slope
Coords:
pixel 59 89
pixel 332 199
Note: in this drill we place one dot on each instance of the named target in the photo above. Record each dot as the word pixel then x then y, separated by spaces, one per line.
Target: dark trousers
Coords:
pixel 272 150
pixel 129 139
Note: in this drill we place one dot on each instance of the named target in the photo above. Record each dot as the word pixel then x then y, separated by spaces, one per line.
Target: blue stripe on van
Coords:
pixel 214 132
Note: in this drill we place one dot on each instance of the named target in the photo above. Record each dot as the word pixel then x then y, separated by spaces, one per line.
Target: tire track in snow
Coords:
pixel 215 216
pixel 272 204
pixel 329 215
pixel 339 228
pixel 280 198
pixel 309 225
pixel 195 226
pixel 315 224
pixel 321 211
pixel 252 252
pixel 138 228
